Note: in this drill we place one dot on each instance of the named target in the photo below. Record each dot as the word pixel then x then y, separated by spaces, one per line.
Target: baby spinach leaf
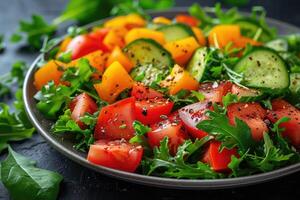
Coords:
pixel 25 181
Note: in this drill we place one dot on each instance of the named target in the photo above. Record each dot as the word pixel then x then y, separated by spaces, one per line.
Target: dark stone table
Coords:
pixel 81 183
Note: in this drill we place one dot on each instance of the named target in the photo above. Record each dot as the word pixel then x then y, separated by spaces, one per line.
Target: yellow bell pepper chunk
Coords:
pixel 114 80
pixel 179 79
pixel 161 20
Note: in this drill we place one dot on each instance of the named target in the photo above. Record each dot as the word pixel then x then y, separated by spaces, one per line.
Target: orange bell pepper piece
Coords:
pixel 49 72
pixel 96 59
pixel 221 35
pixel 124 21
pixel 112 39
pixel 138 33
pixel 199 35
pixel 114 80
pixel 118 55
pixel 179 79
pixel 182 50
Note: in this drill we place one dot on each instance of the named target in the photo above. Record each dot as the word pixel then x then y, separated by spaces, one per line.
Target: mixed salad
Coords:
pixel 197 96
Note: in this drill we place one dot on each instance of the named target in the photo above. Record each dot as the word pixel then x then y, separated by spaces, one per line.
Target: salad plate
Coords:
pixel 66 146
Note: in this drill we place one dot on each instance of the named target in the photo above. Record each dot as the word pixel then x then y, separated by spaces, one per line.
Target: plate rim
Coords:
pixel 172 183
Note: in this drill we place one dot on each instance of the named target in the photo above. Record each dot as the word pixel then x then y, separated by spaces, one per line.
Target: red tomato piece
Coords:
pixel 80 105
pixel 150 111
pixel 171 128
pixel 214 92
pixel 141 92
pixel 187 19
pixel 115 120
pixel 218 160
pixel 117 154
pixel 252 114
pixel 82 45
pixel 281 108
pixel 191 115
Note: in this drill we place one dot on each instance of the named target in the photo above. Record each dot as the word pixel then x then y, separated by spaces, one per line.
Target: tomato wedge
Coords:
pixel 214 92
pixel 218 160
pixel 187 19
pixel 171 128
pixel 115 120
pixel 191 115
pixel 252 114
pixel 117 154
pixel 82 45
pixel 80 105
pixel 141 92
pixel 150 111
pixel 281 108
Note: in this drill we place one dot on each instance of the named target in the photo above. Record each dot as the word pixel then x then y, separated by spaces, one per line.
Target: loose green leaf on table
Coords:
pixel 24 180
pixel 2 45
pixel 16 75
pixel 13 127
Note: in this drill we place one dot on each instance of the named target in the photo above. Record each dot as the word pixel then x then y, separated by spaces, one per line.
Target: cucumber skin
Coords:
pixel 267 34
pixel 270 91
pixel 154 44
pixel 194 62
pixel 184 27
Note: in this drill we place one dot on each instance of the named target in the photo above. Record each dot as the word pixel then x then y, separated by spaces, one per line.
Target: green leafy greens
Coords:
pixel 163 164
pixel 25 181
pixel 51 97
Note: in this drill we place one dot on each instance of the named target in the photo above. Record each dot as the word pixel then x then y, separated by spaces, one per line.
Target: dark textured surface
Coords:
pixel 81 183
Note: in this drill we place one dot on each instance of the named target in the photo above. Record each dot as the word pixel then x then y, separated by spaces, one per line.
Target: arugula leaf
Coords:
pixel 127 7
pixel 184 97
pixel 16 75
pixel 229 98
pixel 163 164
pixel 2 45
pixel 270 156
pixel 65 124
pixel 140 130
pixel 231 136
pixel 197 11
pixel 65 57
pixel 273 157
pixel 35 30
pixel 13 126
pixel 24 181
pixel 51 97
pixel 236 2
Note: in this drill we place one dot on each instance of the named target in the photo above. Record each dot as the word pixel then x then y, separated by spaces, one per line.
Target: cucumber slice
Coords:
pixel 295 83
pixel 249 28
pixel 176 31
pixel 146 51
pixel 197 65
pixel 278 45
pixel 264 69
